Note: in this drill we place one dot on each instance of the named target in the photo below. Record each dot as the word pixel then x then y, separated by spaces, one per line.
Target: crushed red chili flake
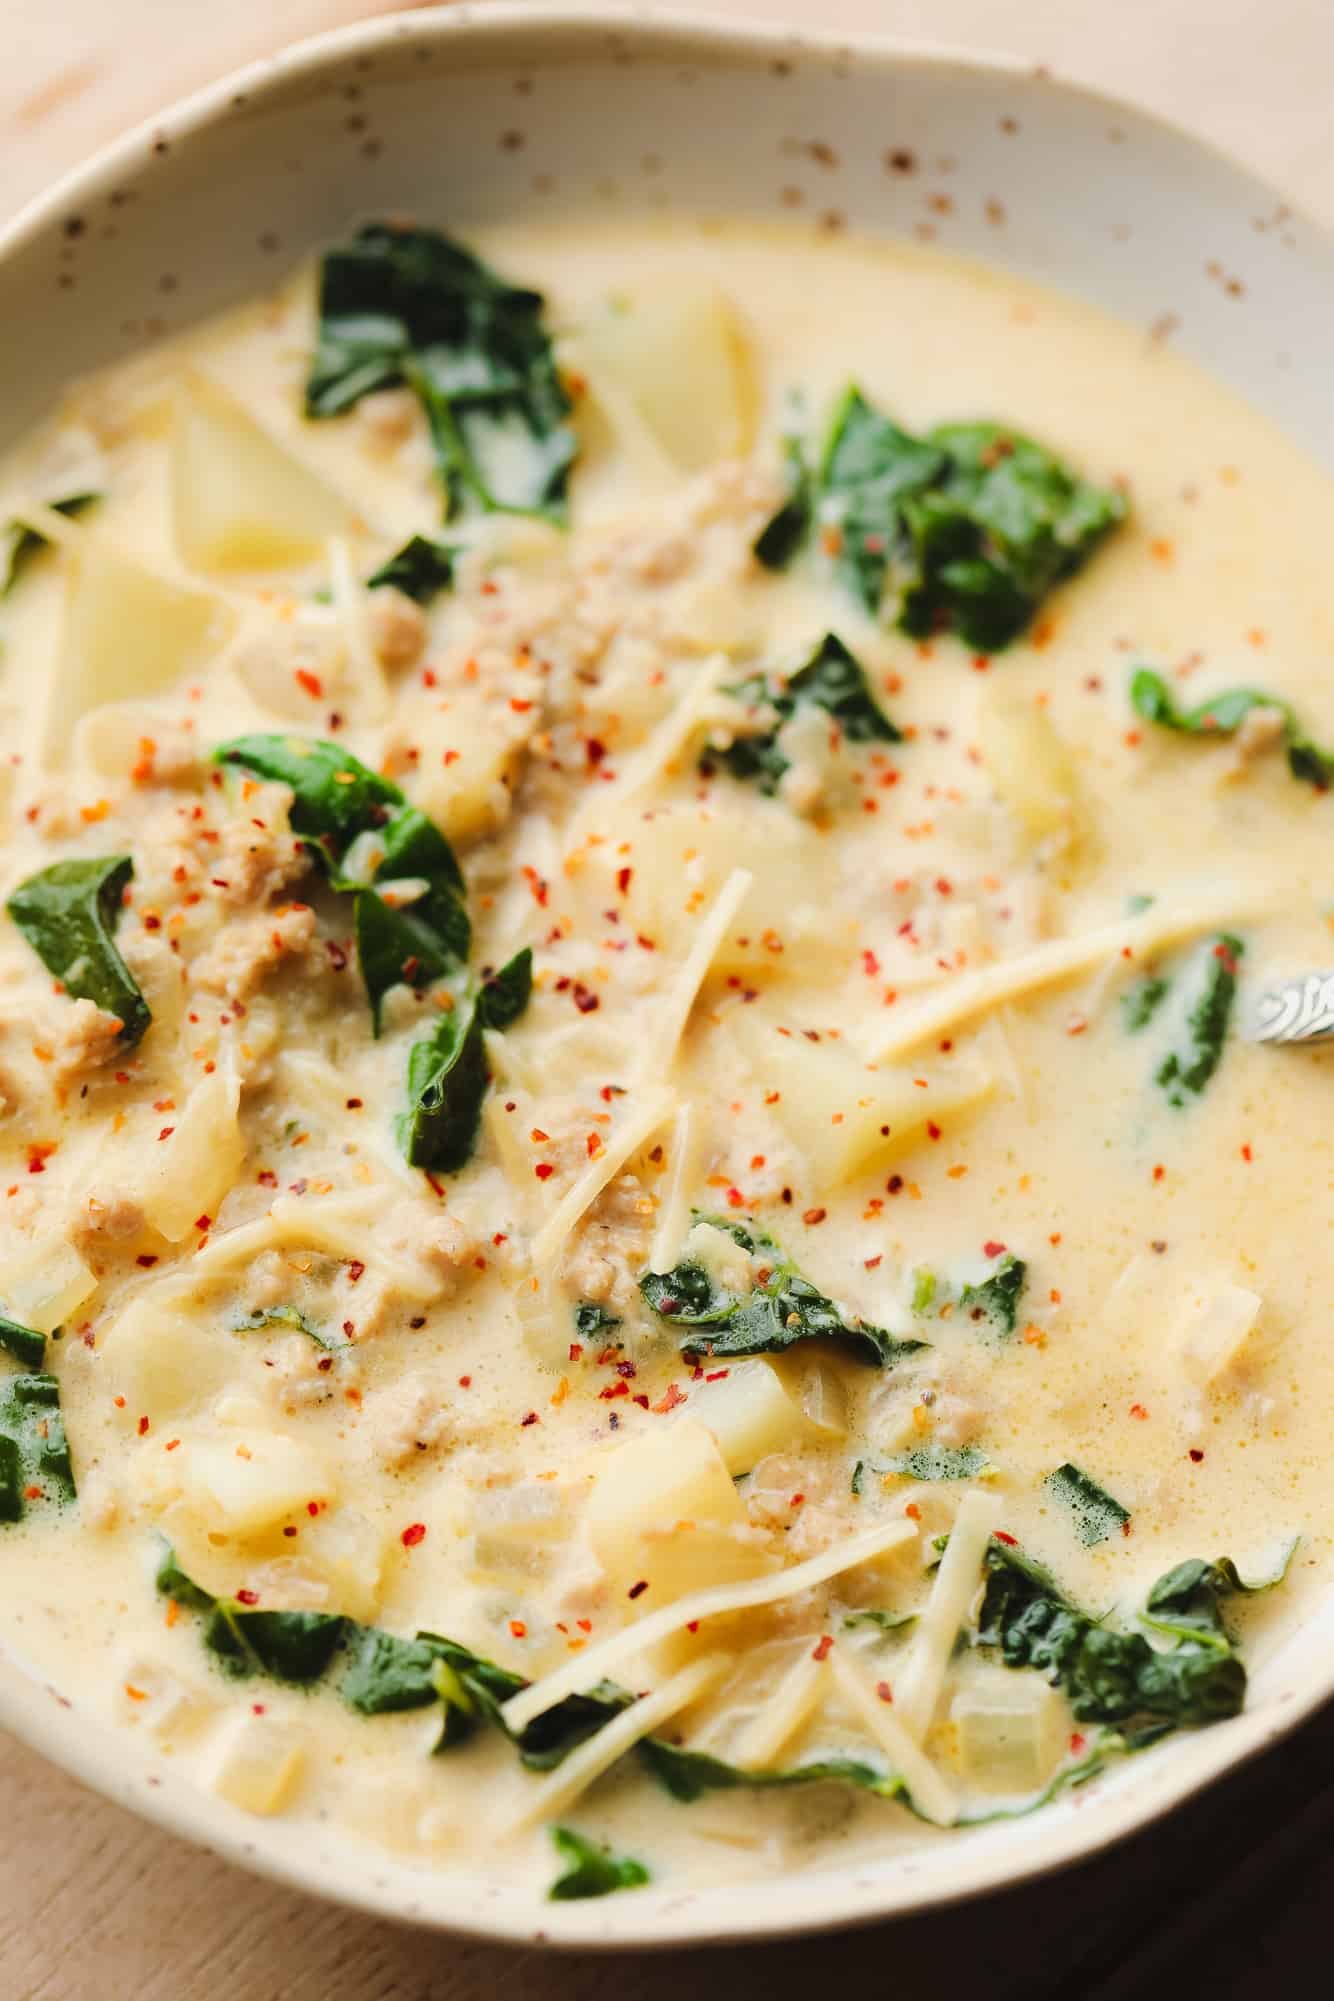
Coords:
pixel 576 1351
pixel 246 1597
pixel 1196 1455
pixel 533 1418
pixel 354 1104
pixel 465 1382
pixel 619 1388
pixel 1001 1536
pixel 585 999
pixel 267 1178
pixel 1158 1173
pixel 311 683
pixel 638 1590
pixel 518 1629
pixel 884 1691
pixel 673 1397
pixel 166 1132
pixel 544 1170
pixel 813 1216
pixel 1246 1153
pixel 414 1533
pixel 1077 1740
pixel 932 1129
pixel 717 1375
pixel 146 1261
pixel 355 1270
pixel 823 1646
pixel 1138 1410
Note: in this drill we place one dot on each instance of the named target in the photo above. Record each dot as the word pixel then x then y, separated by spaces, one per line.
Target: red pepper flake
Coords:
pixel 638 1590
pixel 1246 1153
pixel 245 1597
pixel 1077 1741
pixel 414 1533
pixel 894 1186
pixel 670 1401
pixel 1195 1455
pixel 143 1426
pixel 823 1646
pixel 533 1418
pixel 147 1261
pixel 717 1375
pixel 932 1129
pixel 1158 1173
pixel 620 1388
pixel 595 749
pixel 1227 958
pixel 33 1493
pixel 312 1507
pixel 465 1382
pixel 884 1691
pixel 641 1400
pixel 813 1216
pixel 870 964
pixel 585 999
pixel 797 1501
pixel 311 683
pixel 354 1270
pixel 913 1511
pixel 1138 1410
pixel 623 878
pixel 354 1104
pixel 544 1170
pixel 1011 1540
pixel 993 1249
pixel 39 1153
pixel 267 1178
pixel 518 1629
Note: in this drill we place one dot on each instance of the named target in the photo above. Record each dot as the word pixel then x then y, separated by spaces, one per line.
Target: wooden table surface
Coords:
pixel 1229 1898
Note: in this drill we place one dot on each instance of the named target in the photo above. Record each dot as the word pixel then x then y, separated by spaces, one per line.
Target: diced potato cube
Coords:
pixel 256 1763
pixel 749 1413
pixel 819 1392
pixel 1029 765
pixel 240 1486
pixel 518 1529
pixel 461 769
pixel 128 632
pixel 663 1512
pixel 1011 1730
pixel 674 353
pixel 1214 1330
pixel 153 1698
pixel 240 499
pixel 43 1282
pixel 842 1117
pixel 165 1357
pixel 191 1172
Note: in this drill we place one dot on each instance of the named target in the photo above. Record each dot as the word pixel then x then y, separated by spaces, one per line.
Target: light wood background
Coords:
pixel 1230 1898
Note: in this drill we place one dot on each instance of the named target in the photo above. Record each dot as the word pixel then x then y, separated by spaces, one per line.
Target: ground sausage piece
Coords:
pixel 258 855
pixel 242 955
pixel 87 1039
pixel 397 628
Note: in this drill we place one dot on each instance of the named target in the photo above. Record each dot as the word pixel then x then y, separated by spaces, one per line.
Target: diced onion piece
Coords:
pixel 917 1689
pixel 153 1698
pixel 240 499
pixel 664 1515
pixel 550 1795
pixel 675 351
pixel 190 1172
pixel 43 1282
pixel 256 1763
pixel 932 1795
pixel 1011 1730
pixel 787 1711
pixel 1214 1330
pixel 749 1412
pixel 697 1606
pixel 1028 764
pixel 818 1390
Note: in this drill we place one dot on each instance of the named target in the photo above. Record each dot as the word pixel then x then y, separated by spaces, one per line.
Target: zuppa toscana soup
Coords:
pixel 639 1234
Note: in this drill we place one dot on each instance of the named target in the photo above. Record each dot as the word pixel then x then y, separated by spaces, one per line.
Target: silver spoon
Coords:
pixel 1297 1010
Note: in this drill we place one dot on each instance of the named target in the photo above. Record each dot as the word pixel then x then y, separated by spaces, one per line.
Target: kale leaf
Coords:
pixel 591 1317
pixel 1109 1676
pixel 284 1316
pixel 1142 1002
pixel 933 1462
pixel 68 913
pixel 25 1344
pixel 1097 1514
pixel 592 1871
pixel 965 530
pixel 785 531
pixel 832 680
pixel 34 1452
pixel 411 306
pixel 421 569
pixel 781 1309
pixel 1187 1067
pixel 1222 715
pixel 997 1297
pixel 388 1674
pixel 19 543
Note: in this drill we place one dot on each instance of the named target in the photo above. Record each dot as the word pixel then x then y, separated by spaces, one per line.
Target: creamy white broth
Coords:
pixel 455 1450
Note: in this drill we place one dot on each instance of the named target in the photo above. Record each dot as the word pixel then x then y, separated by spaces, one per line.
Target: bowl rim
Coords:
pixel 42 1718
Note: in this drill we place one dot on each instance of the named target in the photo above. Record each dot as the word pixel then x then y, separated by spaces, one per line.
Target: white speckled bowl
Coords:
pixel 467 115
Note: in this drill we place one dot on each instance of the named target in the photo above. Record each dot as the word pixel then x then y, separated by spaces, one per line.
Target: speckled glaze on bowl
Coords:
pixel 471 114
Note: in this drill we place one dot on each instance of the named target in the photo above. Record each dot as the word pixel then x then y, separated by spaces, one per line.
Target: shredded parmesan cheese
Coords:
pixel 931 1794
pixel 674 1009
pixel 637 1126
pixel 917 1690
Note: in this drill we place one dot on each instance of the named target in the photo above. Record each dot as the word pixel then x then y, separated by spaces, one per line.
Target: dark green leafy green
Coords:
pixel 506 994
pixel 689 1775
pixel 1198 1048
pixel 966 530
pixel 939 1462
pixel 1187 1602
pixel 447 1073
pixel 591 1318
pixel 283 1316
pixel 1097 1514
pixel 832 680
pixel 421 569
pixel 782 1309
pixel 387 1674
pixel 68 914
pixel 25 1344
pixel 785 531
pixel 1109 1676
pixel 1142 1002
pixel 883 1622
pixel 410 306
pixel 1222 715
pixel 246 1639
pixel 997 1297
pixel 34 1452
pixel 19 543
pixel 592 1871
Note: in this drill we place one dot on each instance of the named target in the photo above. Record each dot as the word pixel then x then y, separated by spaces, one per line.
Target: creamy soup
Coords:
pixel 639 1197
